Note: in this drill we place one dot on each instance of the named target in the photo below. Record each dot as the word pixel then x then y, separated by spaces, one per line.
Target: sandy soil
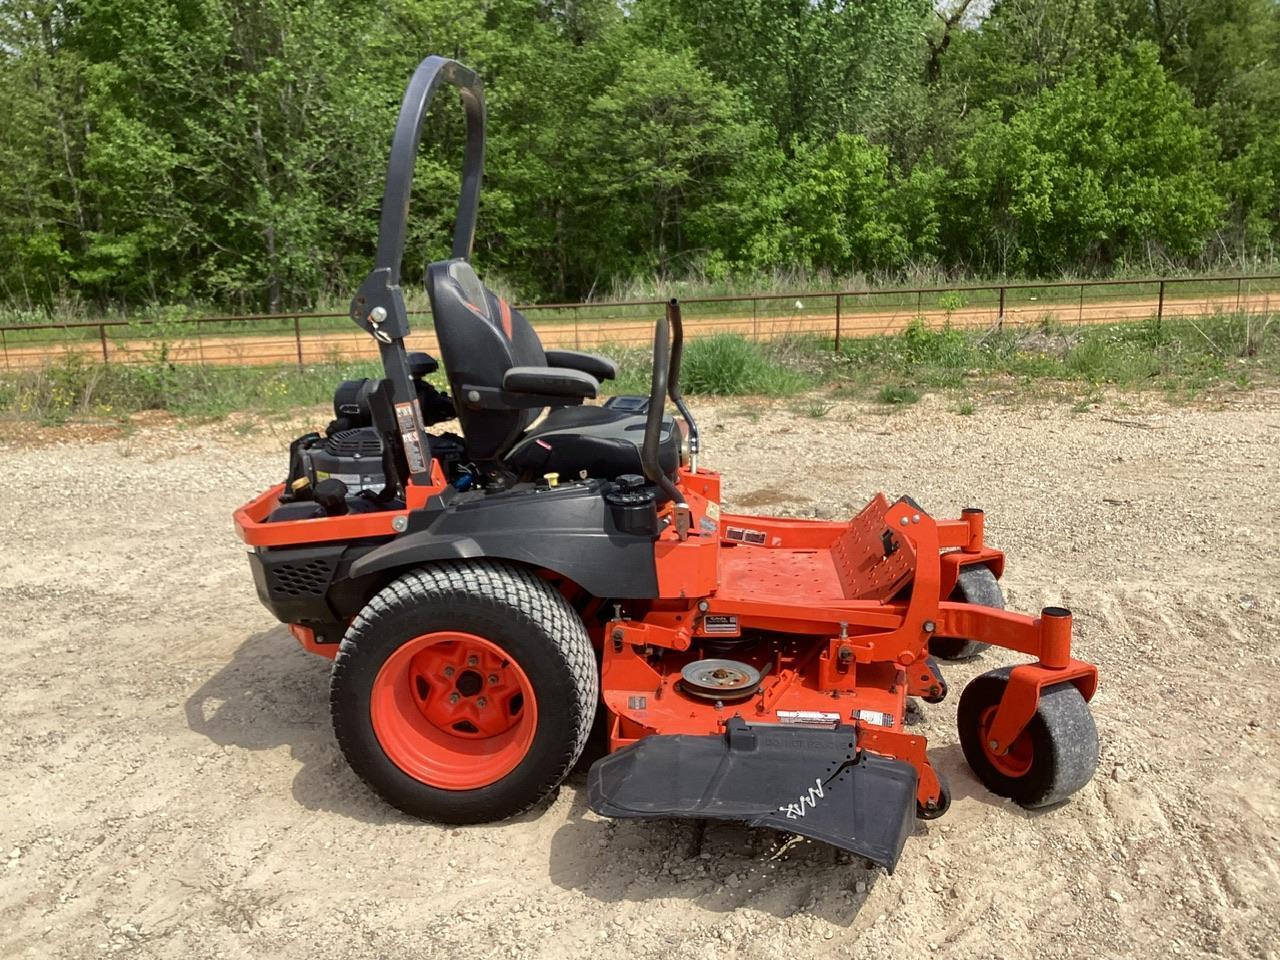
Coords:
pixel 171 787
pixel 594 331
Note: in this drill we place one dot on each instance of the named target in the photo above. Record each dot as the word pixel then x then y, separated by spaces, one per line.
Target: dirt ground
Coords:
pixel 171 787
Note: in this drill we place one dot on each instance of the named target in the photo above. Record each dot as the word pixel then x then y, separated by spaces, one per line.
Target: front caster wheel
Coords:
pixel 1051 759
pixel 976 585
pixel 464 692
pixel 932 811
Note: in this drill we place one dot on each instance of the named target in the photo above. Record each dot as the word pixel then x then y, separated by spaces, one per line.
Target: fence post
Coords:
pixel 755 320
pixel 4 344
pixel 297 337
pixel 838 299
pixel 577 343
pixel 1080 308
pixel 102 335
pixel 1160 307
pixel 1000 318
pixel 1238 282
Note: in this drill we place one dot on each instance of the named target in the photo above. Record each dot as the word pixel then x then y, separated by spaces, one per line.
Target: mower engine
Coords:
pixel 344 470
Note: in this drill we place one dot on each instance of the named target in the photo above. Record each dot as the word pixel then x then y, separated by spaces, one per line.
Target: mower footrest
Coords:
pixel 805 780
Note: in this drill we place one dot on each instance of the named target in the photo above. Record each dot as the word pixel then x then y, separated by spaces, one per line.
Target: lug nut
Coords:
pixel 448 671
pixel 493 678
pixel 482 703
pixel 472 660
pixel 453 698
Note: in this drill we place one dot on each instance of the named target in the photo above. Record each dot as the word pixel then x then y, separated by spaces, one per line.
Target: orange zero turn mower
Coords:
pixel 488 598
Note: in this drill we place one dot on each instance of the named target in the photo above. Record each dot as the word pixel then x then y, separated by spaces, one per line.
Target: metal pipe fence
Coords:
pixel 834 315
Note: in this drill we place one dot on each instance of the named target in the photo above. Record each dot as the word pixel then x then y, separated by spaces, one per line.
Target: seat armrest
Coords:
pixel 551 382
pixel 602 368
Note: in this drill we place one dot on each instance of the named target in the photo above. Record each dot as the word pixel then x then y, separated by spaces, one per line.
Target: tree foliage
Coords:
pixel 231 152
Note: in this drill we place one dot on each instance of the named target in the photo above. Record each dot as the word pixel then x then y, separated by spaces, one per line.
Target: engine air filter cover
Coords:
pixel 716 679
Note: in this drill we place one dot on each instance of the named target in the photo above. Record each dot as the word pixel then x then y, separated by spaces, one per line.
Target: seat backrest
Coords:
pixel 481 337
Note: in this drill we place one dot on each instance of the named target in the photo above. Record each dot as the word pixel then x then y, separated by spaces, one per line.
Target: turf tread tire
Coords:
pixel 1064 738
pixel 509 605
pixel 976 584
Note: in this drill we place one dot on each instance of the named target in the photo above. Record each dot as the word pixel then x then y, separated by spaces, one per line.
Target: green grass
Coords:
pixel 1182 357
pixel 721 365
pixel 895 394
pixel 75 387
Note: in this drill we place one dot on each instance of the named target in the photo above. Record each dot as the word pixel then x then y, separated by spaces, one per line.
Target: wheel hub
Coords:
pixel 466 688
pixel 1016 761
pixel 453 710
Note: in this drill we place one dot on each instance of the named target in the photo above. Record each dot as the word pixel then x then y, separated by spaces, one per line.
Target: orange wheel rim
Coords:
pixel 453 710
pixel 1017 761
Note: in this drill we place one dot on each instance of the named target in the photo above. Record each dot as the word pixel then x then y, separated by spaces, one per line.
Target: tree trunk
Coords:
pixel 269 231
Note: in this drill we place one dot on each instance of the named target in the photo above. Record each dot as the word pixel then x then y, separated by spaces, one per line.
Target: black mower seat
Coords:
pixel 600 440
pixel 502 378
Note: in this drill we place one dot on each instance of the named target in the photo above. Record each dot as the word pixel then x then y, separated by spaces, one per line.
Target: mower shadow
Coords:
pixel 271 694
pixel 949 760
pixel 719 866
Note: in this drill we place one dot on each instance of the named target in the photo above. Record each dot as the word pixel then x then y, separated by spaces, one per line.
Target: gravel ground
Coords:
pixel 172 788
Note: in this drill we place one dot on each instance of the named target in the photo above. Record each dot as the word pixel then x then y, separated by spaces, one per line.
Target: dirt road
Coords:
pixel 172 790
pixel 593 331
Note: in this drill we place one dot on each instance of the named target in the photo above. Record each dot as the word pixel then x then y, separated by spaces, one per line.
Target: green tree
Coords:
pixel 1025 46
pixel 232 152
pixel 845 211
pixel 811 68
pixel 1096 168
pixel 654 145
pixel 43 211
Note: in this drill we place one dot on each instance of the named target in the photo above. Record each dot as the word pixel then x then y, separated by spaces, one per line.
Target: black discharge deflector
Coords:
pixel 805 780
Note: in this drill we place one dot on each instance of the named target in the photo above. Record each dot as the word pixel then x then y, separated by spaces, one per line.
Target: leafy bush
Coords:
pixel 726 364
pixel 729 364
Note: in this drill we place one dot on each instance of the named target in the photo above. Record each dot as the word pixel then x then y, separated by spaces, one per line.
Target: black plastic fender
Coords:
pixel 569 530
pixel 805 780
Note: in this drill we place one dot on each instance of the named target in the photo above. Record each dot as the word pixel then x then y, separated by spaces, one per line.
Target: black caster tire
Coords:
pixel 1051 759
pixel 943 804
pixel 976 585
pixel 942 687
pixel 464 692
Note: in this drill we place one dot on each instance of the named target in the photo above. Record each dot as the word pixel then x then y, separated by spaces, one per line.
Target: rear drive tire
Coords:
pixel 464 692
pixel 978 585
pixel 1051 759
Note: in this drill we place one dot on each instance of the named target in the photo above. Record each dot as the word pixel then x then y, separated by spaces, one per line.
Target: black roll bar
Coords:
pixel 378 306
pixel 673 377
pixel 650 459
